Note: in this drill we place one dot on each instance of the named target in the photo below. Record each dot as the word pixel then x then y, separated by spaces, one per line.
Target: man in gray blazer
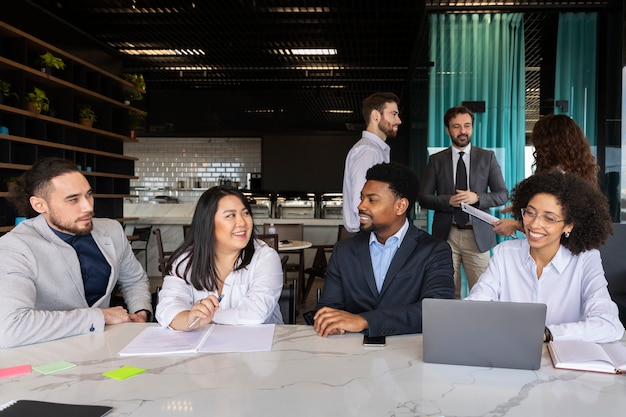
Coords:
pixel 59 268
pixel 478 182
pixel 376 281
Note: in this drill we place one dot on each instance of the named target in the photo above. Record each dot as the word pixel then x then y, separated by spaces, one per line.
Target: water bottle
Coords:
pixel 272 229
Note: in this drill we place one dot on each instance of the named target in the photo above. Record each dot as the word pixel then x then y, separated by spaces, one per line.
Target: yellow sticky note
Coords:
pixel 124 372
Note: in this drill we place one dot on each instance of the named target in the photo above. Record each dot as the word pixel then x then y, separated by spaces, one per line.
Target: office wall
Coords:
pixel 165 161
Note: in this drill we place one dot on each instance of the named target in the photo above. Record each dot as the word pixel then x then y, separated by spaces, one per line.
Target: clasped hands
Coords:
pixel 118 314
pixel 463 196
pixel 329 321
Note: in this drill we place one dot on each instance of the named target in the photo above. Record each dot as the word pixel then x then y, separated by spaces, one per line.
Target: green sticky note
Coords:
pixel 53 367
pixel 124 372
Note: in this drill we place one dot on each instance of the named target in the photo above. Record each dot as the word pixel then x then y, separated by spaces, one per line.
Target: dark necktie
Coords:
pixel 460 217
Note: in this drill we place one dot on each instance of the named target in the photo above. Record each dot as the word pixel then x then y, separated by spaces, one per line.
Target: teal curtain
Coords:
pixel 575 77
pixel 480 57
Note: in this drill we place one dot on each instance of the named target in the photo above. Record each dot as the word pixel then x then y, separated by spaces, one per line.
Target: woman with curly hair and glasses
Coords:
pixel 560 145
pixel 565 219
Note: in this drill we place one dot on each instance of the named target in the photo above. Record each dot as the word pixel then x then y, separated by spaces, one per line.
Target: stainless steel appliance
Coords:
pixel 295 206
pixel 261 204
pixel 164 199
pixel 331 205
pixel 253 181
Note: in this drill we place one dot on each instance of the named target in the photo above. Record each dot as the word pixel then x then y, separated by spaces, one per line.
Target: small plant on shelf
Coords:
pixel 86 115
pixel 49 61
pixel 37 101
pixel 135 122
pixel 5 91
pixel 140 84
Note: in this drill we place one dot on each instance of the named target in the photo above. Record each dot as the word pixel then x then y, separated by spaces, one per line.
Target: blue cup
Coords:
pixel 19 220
pixel 4 130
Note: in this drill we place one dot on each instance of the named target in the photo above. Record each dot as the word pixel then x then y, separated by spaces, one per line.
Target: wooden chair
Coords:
pixel 320 263
pixel 288 302
pixel 186 230
pixel 290 231
pixel 140 243
pixel 270 239
pixel 163 255
pixel 272 242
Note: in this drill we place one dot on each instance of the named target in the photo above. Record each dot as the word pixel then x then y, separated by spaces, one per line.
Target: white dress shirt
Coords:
pixel 572 286
pixel 366 153
pixel 249 296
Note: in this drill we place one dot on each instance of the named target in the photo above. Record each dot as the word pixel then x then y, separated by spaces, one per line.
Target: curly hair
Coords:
pixel 561 145
pixel 582 203
pixel 401 179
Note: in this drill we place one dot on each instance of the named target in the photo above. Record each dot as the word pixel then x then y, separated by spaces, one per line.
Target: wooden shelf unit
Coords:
pixel 31 136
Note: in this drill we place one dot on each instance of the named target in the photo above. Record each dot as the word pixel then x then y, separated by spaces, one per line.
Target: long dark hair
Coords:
pixel 199 245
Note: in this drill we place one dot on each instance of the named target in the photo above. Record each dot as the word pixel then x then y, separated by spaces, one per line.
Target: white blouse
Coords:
pixel 572 286
pixel 249 296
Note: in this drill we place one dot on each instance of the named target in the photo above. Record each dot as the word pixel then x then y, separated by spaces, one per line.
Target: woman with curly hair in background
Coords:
pixel 560 145
pixel 566 219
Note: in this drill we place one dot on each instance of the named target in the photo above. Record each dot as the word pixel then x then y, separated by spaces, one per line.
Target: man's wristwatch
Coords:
pixel 148 314
pixel 547 335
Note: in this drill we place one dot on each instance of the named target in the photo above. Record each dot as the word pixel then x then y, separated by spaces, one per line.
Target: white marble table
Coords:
pixel 304 375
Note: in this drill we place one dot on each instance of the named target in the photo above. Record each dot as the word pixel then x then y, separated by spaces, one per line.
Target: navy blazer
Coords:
pixel 485 179
pixel 421 268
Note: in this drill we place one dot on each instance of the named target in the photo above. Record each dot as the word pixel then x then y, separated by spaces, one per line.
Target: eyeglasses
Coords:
pixel 544 219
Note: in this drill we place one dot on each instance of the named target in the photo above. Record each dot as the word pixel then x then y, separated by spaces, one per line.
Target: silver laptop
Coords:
pixel 483 333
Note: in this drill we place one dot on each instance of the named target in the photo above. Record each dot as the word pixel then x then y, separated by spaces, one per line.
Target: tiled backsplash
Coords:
pixel 163 162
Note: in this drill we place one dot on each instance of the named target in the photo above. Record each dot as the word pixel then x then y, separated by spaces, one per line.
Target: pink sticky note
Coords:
pixel 15 371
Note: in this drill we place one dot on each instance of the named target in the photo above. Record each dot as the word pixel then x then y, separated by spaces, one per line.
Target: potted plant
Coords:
pixel 49 61
pixel 135 122
pixel 5 91
pixel 10 182
pixel 86 115
pixel 140 84
pixel 36 101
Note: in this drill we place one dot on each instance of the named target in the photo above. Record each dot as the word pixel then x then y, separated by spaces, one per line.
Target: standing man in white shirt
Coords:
pixel 380 111
pixel 466 174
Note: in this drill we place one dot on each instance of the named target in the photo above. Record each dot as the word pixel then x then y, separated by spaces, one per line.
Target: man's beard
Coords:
pixel 387 128
pixel 70 229
pixel 461 144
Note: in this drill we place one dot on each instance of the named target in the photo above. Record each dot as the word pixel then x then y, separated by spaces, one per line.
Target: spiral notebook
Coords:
pixel 23 408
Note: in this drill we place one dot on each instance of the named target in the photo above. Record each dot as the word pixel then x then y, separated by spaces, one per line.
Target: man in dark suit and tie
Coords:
pixel 459 174
pixel 376 281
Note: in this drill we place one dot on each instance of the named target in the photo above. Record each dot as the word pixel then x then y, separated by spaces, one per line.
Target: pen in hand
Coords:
pixel 197 319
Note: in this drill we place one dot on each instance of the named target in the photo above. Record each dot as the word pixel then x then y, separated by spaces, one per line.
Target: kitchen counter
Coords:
pixel 178 214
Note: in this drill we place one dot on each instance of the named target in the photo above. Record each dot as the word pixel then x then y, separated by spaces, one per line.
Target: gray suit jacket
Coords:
pixel 43 296
pixel 485 178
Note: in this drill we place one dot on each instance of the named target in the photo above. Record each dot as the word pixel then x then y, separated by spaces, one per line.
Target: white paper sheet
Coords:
pixel 481 215
pixel 158 340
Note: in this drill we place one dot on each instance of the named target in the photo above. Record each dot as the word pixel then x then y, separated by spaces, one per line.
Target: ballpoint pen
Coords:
pixel 197 319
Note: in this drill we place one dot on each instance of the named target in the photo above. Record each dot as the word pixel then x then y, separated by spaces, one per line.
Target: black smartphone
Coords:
pixel 378 341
